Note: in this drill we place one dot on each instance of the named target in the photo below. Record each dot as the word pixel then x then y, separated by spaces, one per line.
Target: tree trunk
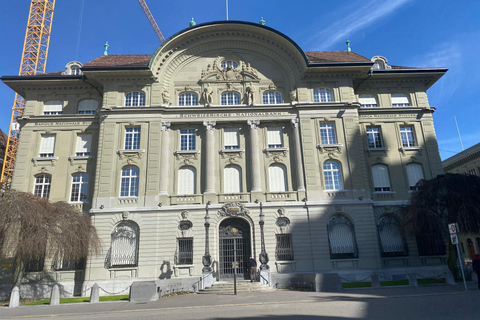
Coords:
pixel 17 274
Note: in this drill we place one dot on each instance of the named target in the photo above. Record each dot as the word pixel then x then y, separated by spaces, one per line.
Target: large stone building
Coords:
pixel 231 141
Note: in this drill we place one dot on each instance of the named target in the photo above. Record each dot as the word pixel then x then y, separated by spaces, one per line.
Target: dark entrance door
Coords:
pixel 234 247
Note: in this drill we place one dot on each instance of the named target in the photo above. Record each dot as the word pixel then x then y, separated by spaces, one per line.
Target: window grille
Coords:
pixel 374 138
pixel 187 99
pixel 42 186
pixel 392 243
pixel 272 97
pixel 132 138
pixel 341 237
pixel 284 248
pixel 406 133
pixel 124 245
pixel 64 264
pixel 327 133
pixel 185 251
pixel 135 99
pixel 322 95
pixel 34 265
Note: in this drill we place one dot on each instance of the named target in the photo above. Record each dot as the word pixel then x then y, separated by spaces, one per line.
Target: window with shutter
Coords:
pixel 274 137
pixel 47 146
pixel 415 174
pixel 88 106
pixel 187 181
pixel 277 178
pixel 232 179
pixel 231 138
pixel 381 180
pixel 84 143
pixel 53 108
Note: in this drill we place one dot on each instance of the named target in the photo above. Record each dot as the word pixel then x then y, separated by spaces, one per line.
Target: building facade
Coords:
pixel 231 141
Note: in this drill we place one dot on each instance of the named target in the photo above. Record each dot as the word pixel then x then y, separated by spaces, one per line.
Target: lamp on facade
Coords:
pixel 207 259
pixel 263 254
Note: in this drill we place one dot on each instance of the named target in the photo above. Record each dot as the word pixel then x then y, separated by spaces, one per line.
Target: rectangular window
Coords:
pixel 274 137
pixel 132 138
pixel 327 133
pixel 374 138
pixel 53 108
pixel 230 136
pixel 284 249
pixel 47 146
pixel 84 142
pixel 69 264
pixel 185 251
pixel 187 139
pixel 408 139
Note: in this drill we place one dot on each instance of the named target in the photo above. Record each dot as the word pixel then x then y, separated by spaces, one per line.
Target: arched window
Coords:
pixel 232 179
pixel 124 245
pixel 187 180
pixel 392 243
pixel 277 178
pixel 188 99
pixel 42 185
pixel 135 99
pixel 129 184
pixel 400 100
pixel 367 101
pixel 53 108
pixel 381 179
pixel 322 95
pixel 272 97
pixel 333 175
pixel 88 106
pixel 415 174
pixel 230 99
pixel 341 237
pixel 79 188
pixel 229 63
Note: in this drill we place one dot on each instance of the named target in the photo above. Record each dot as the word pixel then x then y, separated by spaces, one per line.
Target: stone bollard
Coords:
pixel 328 282
pixel 375 280
pixel 449 279
pixel 412 279
pixel 95 294
pixel 14 298
pixel 55 296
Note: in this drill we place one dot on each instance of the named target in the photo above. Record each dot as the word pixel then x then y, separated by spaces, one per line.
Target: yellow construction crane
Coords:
pixel 152 21
pixel 34 60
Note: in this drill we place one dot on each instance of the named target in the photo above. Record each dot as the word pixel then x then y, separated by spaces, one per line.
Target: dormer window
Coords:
pixel 73 68
pixel 380 63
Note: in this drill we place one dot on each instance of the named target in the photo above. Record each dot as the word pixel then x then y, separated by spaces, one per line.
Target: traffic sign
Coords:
pixel 453 228
pixel 454 238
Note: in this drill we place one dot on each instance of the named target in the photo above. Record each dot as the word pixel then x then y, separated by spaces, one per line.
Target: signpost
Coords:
pixel 453 229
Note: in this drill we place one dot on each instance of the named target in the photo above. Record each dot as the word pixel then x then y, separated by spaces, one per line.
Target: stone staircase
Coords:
pixel 226 287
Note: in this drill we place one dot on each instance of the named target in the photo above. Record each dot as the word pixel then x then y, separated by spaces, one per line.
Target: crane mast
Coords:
pixel 152 20
pixel 34 60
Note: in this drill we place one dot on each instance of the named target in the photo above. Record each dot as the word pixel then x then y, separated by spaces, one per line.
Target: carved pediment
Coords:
pixel 241 73
pixel 233 209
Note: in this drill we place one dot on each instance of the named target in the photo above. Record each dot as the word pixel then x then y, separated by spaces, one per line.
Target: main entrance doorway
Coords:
pixel 234 247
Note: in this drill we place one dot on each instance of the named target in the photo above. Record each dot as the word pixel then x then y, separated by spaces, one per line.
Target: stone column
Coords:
pixel 297 150
pixel 210 177
pixel 164 160
pixel 255 156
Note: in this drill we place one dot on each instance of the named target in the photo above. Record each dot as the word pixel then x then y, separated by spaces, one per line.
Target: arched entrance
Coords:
pixel 234 237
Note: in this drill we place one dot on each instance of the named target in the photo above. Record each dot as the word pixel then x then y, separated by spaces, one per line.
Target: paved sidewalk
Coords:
pixel 197 302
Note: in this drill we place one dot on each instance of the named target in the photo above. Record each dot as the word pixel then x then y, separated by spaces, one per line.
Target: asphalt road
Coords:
pixel 429 302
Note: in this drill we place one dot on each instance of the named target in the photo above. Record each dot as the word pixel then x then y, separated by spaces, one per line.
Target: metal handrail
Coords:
pixel 201 280
pixel 264 278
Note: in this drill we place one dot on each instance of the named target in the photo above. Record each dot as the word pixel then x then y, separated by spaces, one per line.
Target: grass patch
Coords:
pixel 37 302
pixel 431 281
pixel 351 285
pixel 392 283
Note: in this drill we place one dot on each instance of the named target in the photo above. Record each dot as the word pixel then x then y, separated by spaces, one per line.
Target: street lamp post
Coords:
pixel 207 259
pixel 263 253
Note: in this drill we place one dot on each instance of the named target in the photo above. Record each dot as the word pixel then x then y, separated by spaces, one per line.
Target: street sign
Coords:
pixel 453 228
pixel 454 238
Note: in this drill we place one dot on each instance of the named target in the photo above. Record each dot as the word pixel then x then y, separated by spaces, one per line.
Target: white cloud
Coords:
pixel 368 13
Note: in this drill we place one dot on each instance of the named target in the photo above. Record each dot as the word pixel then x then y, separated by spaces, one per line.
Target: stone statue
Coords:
pixel 208 95
pixel 250 94
pixel 293 95
pixel 166 96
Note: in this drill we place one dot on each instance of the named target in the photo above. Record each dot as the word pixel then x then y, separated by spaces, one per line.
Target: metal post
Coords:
pixel 207 259
pixel 263 254
pixel 462 262
pixel 234 267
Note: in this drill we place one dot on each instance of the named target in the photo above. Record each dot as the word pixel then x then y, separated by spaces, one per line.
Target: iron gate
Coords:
pixel 234 247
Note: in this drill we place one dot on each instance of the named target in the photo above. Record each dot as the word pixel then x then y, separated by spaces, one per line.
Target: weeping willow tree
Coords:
pixel 448 198
pixel 32 228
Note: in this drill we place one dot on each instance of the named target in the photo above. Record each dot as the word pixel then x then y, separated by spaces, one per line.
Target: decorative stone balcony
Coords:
pixel 281 196
pixel 233 197
pixel 128 201
pixel 186 199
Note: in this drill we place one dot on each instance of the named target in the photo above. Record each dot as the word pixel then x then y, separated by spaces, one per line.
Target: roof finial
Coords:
pixel 348 45
pixel 105 53
pixel 192 23
pixel 262 22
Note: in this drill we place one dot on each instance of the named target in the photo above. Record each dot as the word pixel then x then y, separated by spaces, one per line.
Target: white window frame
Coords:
pixel 187 99
pixel 374 137
pixel 274 137
pixel 132 138
pixel 322 95
pixel 135 99
pixel 230 99
pixel 129 181
pixel 327 133
pixel 42 185
pixel 84 145
pixel 79 188
pixel 53 107
pixel 407 136
pixel 231 138
pixel 271 97
pixel 187 139
pixel 400 100
pixel 47 146
pixel 368 100
pixel 332 171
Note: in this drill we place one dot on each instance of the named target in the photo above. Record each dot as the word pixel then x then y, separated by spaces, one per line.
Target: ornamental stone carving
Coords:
pixel 166 96
pixel 216 73
pixel 233 209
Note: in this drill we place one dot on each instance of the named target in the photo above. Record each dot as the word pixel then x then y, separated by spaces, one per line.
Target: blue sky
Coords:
pixel 416 33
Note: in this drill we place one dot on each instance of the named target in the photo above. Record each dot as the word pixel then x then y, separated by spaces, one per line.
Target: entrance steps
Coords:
pixel 226 287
